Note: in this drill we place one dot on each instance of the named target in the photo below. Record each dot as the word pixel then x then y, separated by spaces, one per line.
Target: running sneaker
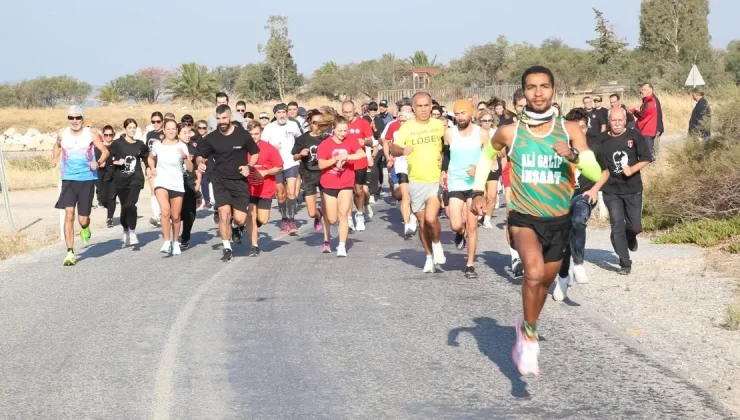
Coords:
pixel 579 273
pixel 109 223
pixel 341 250
pixel 560 288
pixel 176 248
pixel 470 272
pixel 442 214
pixel 254 251
pixel 293 229
pixel 284 227
pixel 372 200
pixel 429 266
pixel 166 247
pixel 351 223
pixel 632 245
pixel 438 254
pixel 85 235
pixel 154 221
pixel 228 255
pixel 326 248
pixel 459 240
pixel 318 225
pixel 624 271
pixel 370 211
pixel 184 244
pixel 359 222
pixel 526 351
pixel 517 267
pixel 133 239
pixel 126 239
pixel 236 233
pixel 487 222
pixel 409 232
pixel 69 260
pixel 215 218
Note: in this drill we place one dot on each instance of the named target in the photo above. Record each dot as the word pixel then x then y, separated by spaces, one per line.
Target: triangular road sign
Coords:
pixel 694 78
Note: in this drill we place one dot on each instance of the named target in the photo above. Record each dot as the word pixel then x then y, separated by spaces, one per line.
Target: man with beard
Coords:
pixel 542 150
pixel 229 145
pixel 461 150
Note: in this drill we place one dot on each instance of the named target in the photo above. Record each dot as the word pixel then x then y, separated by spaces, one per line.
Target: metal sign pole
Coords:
pixel 6 192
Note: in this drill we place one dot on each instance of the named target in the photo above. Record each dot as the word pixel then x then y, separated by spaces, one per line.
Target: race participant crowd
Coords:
pixel 441 165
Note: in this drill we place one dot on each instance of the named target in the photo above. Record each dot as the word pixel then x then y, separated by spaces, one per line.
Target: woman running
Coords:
pixel 487 121
pixel 128 157
pixel 165 166
pixel 305 150
pixel 262 185
pixel 192 198
pixel 338 179
pixel 154 136
pixel 105 189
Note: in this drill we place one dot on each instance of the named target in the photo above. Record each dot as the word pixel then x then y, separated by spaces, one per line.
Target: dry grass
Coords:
pixel 31 173
pixel 13 244
pixel 46 120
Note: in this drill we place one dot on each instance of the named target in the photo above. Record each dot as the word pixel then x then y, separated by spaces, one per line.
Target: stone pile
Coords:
pixel 13 140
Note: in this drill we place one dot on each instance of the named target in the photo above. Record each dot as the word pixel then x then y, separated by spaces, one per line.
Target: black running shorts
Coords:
pixel 553 233
pixel 231 192
pixel 311 180
pixel 261 203
pixel 361 177
pixel 77 194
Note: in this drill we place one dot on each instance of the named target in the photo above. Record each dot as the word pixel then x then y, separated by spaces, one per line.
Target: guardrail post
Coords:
pixel 6 191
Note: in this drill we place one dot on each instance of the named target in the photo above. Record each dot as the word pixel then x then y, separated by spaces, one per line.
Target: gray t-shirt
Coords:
pixel 212 124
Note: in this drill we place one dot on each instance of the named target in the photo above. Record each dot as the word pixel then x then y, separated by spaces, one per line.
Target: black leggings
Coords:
pixel 107 195
pixel 189 207
pixel 376 174
pixel 129 197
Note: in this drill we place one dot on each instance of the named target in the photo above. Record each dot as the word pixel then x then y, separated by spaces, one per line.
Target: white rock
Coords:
pixel 32 132
pixel 48 138
pixel 10 132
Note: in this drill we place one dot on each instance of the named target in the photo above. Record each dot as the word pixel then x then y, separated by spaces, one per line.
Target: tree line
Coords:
pixel 674 34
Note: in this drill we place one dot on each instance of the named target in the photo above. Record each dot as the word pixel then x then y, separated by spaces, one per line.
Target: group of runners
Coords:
pixel 433 162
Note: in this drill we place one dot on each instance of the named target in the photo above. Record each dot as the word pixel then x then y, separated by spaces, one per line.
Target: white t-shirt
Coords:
pixel 283 138
pixel 170 165
pixel 401 163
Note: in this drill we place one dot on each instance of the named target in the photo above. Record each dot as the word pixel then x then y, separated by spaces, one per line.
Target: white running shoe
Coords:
pixel 560 288
pixel 372 200
pixel 370 212
pixel 133 239
pixel 526 351
pixel 341 250
pixel 429 266
pixel 579 272
pixel 176 248
pixel 438 254
pixel 166 247
pixel 360 222
pixel 126 239
pixel 487 222
pixel 350 222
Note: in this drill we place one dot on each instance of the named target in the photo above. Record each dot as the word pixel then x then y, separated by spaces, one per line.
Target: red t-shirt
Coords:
pixel 269 157
pixel 392 128
pixel 358 129
pixel 334 178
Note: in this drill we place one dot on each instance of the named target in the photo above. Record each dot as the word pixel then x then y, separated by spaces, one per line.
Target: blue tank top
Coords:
pixel 464 151
pixel 77 153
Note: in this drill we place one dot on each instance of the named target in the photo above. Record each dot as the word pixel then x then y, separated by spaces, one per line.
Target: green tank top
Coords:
pixel 542 182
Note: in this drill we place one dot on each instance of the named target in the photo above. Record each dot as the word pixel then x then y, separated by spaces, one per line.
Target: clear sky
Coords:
pixel 98 40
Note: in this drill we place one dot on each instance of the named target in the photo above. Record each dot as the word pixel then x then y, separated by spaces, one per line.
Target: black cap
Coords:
pixel 279 107
pixel 383 103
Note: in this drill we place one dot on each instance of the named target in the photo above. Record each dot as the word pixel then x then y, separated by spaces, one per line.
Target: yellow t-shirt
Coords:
pixel 426 139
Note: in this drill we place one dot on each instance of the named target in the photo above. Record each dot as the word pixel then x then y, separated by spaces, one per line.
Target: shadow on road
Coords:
pixel 603 259
pixel 498 262
pixel 100 249
pixel 495 341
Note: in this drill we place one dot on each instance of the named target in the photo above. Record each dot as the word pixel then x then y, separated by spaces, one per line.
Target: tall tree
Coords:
pixel 160 80
pixel 675 28
pixel 278 57
pixel 138 88
pixel 607 44
pixel 483 63
pixel 109 94
pixel 327 80
pixel 256 83
pixel 421 59
pixel 193 83
pixel 732 60
pixel 227 76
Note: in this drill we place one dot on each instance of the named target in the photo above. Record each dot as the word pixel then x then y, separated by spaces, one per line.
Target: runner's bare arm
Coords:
pixel 359 154
pixel 57 148
pixel 586 163
pixel 500 139
pixel 100 146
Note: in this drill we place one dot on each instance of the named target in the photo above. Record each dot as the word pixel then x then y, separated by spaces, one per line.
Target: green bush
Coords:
pixel 704 233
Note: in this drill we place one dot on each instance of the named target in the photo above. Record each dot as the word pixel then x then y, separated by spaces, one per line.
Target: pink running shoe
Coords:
pixel 284 227
pixel 526 351
pixel 318 226
pixel 326 248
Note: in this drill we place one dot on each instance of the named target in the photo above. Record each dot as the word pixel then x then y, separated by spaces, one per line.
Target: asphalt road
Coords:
pixel 296 334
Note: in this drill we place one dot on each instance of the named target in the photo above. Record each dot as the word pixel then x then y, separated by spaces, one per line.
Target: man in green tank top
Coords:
pixel 543 150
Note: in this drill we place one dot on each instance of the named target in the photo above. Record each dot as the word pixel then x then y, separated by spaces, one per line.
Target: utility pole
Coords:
pixel 6 192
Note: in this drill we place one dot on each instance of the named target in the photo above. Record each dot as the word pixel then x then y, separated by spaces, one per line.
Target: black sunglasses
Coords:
pixel 189 124
pixel 108 134
pixel 202 128
pixel 241 110
pixel 72 118
pixel 156 121
pixel 486 121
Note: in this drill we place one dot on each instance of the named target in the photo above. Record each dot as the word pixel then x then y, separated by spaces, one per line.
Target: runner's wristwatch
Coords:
pixel 575 155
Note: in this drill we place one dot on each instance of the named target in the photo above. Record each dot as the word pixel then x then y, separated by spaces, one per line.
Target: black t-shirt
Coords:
pixel 596 117
pixel 307 141
pixel 503 120
pixel 152 136
pixel 584 184
pixel 134 155
pixel 105 173
pixel 627 149
pixel 229 152
pixel 192 151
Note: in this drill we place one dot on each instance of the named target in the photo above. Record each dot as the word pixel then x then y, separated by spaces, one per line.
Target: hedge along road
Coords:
pixel 299 334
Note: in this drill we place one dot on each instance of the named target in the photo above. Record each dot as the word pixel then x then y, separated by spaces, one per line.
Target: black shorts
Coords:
pixel 335 193
pixel 283 176
pixel 311 180
pixel 494 175
pixel 360 176
pixel 403 178
pixel 553 233
pixel 464 196
pixel 231 192
pixel 77 194
pixel 261 203
pixel 172 194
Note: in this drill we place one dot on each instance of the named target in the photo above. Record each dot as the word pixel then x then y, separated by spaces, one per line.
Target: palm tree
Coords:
pixel 421 59
pixel 193 83
pixel 109 94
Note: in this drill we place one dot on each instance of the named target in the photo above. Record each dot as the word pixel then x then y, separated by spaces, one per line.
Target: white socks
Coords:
pixel 514 254
pixel 227 244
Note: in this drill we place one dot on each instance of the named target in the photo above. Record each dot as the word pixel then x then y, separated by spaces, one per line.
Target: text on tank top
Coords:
pixel 542 182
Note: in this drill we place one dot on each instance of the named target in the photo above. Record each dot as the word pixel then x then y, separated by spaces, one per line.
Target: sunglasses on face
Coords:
pixel 156 121
pixel 241 110
pixel 107 134
pixel 264 118
pixel 189 124
pixel 434 114
pixel 74 118
pixel 486 121
pixel 202 128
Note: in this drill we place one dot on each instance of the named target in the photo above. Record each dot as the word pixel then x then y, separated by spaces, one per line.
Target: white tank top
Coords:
pixel 77 153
